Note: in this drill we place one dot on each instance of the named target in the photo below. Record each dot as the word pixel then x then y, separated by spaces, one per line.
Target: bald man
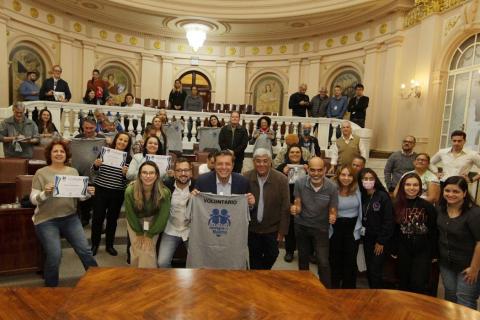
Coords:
pixel 314 208
pixel 299 102
pixel 346 148
pixel 308 141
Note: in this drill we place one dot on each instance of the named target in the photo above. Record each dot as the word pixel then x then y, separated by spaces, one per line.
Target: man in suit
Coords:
pixel 358 105
pixel 53 87
pixel 234 137
pixel 223 181
pixel 270 217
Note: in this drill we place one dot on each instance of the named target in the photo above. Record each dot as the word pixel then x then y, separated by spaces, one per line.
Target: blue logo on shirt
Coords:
pixel 219 222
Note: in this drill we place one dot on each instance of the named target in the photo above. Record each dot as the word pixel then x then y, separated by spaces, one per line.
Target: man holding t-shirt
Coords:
pixel 314 208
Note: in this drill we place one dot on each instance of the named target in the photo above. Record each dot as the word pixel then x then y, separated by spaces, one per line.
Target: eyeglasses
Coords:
pixel 422 160
pixel 182 170
pixel 408 141
pixel 148 173
pixel 56 70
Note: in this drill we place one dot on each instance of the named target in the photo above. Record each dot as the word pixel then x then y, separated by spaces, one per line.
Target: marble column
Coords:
pixel 237 83
pixel 293 81
pixel 150 85
pixel 4 61
pixel 221 82
pixel 167 77
pixel 88 53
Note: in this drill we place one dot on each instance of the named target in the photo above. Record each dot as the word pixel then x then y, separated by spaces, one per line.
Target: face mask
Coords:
pixel 368 185
pixel 306 132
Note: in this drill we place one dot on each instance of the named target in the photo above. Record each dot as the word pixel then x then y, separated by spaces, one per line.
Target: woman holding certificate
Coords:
pixel 152 146
pixel 111 169
pixel 55 190
pixel 147 206
pixel 293 167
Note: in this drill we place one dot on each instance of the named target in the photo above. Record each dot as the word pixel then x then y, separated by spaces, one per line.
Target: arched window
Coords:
pixel 347 79
pixel 23 59
pixel 201 81
pixel 462 99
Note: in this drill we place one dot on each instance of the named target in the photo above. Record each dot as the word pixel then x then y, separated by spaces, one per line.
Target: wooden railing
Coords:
pixel 66 115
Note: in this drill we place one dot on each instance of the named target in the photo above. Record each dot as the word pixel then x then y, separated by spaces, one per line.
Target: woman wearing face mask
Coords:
pixel 309 142
pixel 346 230
pixel 415 234
pixel 459 243
pixel 292 157
pixel 152 146
pixel 378 225
pixel 110 184
pixel 263 136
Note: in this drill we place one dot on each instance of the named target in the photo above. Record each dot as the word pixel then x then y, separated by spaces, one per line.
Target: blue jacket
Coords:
pixel 26 89
pixel 208 183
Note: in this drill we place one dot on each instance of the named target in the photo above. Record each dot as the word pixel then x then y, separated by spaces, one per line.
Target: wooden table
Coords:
pixel 127 293
pixel 371 304
pixel 20 250
pixel 31 303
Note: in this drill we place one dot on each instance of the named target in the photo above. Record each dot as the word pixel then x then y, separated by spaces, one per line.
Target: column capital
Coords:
pixel 221 63
pixel 89 45
pixel 295 61
pixel 372 48
pixel 396 41
pixel 65 39
pixel 4 18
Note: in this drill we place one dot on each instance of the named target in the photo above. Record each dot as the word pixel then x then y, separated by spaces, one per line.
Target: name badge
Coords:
pixel 335 108
pixel 146 225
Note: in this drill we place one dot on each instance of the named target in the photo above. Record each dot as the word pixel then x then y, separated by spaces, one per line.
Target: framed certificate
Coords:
pixel 164 163
pixel 296 172
pixel 59 96
pixel 113 158
pixel 70 186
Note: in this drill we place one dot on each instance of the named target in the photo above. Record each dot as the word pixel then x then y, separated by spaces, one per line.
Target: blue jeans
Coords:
pixel 457 290
pixel 49 232
pixel 168 246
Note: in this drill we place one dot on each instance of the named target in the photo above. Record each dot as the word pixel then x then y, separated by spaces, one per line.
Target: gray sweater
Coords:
pixel 397 165
pixel 193 103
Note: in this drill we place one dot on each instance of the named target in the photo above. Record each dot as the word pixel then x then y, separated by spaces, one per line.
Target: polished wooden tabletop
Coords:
pixel 31 303
pixel 126 293
pixel 129 293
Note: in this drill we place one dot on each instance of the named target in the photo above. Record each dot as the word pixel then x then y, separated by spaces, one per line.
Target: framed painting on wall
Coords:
pixel 268 95
pixel 24 59
pixel 347 79
pixel 119 82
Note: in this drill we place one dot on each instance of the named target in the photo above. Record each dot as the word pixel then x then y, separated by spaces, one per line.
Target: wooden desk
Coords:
pixel 371 304
pixel 7 192
pixel 20 250
pixel 127 293
pixel 31 303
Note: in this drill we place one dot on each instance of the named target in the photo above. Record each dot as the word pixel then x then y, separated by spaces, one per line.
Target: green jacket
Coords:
pixel 160 215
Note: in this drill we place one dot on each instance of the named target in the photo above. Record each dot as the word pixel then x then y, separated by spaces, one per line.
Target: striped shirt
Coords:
pixel 111 177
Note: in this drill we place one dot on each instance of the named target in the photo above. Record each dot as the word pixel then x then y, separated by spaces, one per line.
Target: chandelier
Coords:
pixel 196 34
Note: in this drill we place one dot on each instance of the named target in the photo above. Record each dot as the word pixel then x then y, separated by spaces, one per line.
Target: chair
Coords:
pixel 163 104
pixel 39 153
pixel 250 109
pixel 138 100
pixel 147 102
pixel 155 103
pixel 10 168
pixel 226 107
pixel 195 166
pixel 23 186
pixel 202 156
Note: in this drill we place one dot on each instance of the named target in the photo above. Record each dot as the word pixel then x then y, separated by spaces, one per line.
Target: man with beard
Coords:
pixel 178 225
pixel 28 89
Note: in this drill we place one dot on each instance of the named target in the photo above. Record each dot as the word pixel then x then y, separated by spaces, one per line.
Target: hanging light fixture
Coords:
pixel 196 34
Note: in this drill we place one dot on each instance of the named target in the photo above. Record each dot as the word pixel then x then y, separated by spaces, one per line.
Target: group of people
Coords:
pixel 289 198
pixel 336 106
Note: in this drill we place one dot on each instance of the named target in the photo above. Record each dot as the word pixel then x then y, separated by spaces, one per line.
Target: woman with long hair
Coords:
pixel 214 122
pixel 415 234
pixel 346 230
pixel 57 216
pixel 147 205
pixel 46 127
pixel 158 126
pixel 89 97
pixel 458 223
pixel 110 184
pixel 293 167
pixel 152 146
pixel 378 225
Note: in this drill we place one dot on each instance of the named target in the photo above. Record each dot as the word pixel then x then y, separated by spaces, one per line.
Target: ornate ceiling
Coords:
pixel 230 20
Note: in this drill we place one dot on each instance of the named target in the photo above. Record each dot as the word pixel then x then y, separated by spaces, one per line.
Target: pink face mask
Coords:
pixel 368 185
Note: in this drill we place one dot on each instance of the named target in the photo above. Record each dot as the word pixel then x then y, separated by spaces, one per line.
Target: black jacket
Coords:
pixel 358 110
pixel 378 217
pixel 239 143
pixel 208 183
pixel 294 104
pixel 62 86
pixel 169 182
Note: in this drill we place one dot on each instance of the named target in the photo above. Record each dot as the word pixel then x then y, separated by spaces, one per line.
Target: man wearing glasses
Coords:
pixel 399 163
pixel 178 227
pixel 55 88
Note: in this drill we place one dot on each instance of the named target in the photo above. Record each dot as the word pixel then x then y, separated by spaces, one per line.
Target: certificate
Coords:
pixel 70 186
pixel 59 96
pixel 113 158
pixel 296 172
pixel 164 163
